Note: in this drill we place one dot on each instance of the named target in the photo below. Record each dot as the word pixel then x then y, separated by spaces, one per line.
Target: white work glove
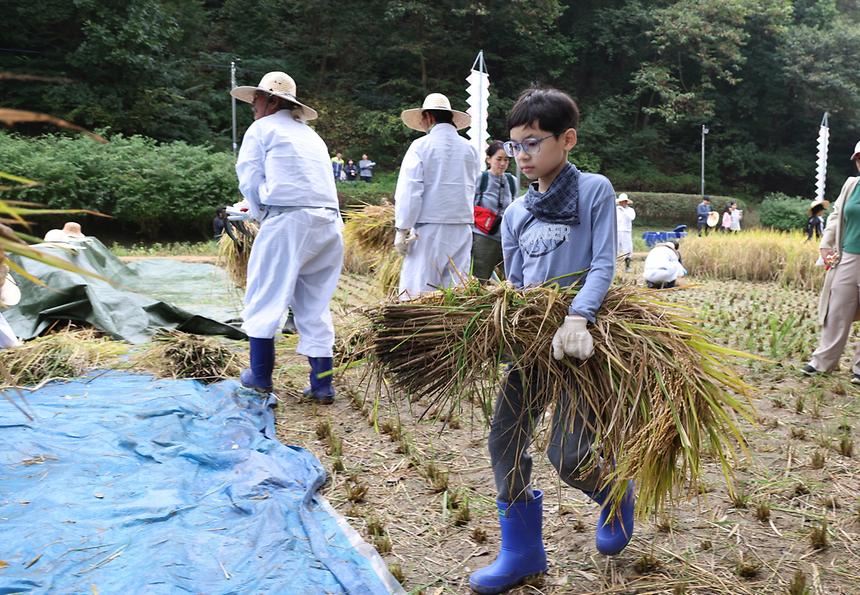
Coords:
pixel 572 339
pixel 403 240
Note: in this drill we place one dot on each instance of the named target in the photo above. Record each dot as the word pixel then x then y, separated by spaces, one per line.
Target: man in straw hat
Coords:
pixel 285 174
pixel 71 232
pixel 625 215
pixel 433 199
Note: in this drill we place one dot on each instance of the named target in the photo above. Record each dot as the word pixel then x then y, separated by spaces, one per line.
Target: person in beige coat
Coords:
pixel 839 304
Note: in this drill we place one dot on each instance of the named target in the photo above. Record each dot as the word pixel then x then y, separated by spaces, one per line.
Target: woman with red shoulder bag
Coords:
pixel 495 190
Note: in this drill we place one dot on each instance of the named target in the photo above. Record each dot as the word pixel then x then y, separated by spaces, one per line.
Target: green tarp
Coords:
pixel 121 308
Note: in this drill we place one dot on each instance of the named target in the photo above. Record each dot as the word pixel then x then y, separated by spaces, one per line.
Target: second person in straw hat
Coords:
pixel 625 215
pixel 285 174
pixel 433 211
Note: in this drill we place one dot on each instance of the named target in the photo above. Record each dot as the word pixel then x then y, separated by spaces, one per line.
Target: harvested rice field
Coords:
pixel 424 495
pixel 417 485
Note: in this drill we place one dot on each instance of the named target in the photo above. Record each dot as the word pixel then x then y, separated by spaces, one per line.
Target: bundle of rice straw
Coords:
pixel 370 228
pixel 174 354
pixel 234 256
pixel 368 236
pixel 660 388
pixel 60 355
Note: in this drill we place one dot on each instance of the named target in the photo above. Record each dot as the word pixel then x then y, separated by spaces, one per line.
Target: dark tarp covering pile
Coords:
pixel 126 484
pixel 120 310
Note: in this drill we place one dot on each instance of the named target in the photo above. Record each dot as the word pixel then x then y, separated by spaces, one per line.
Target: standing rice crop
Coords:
pixel 757 255
pixel 661 391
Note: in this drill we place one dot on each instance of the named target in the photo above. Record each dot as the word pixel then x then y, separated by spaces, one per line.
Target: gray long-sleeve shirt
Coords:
pixel 536 251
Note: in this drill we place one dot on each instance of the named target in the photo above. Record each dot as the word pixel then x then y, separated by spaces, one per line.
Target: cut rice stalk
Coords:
pixel 661 390
pixel 233 256
pixel 60 355
pixel 174 354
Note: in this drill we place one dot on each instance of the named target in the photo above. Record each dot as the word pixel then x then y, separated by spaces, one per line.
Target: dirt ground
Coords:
pixel 424 496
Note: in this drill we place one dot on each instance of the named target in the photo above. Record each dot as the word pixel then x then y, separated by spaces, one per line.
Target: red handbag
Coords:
pixel 485 220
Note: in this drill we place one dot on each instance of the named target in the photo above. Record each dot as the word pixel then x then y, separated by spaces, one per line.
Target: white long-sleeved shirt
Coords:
pixel 625 216
pixel 436 183
pixel 662 265
pixel 284 162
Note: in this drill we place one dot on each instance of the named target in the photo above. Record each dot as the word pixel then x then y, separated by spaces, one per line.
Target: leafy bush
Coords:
pixel 666 210
pixel 784 212
pixel 149 188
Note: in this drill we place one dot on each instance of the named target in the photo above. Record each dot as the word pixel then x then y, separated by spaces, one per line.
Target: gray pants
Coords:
pixel 511 434
pixel 486 256
pixel 843 303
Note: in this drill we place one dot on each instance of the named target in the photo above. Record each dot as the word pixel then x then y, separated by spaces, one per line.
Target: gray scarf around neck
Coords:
pixel 560 202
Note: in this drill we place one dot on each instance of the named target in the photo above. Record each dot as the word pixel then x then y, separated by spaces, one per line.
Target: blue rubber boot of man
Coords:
pixel 321 389
pixel 522 554
pixel 614 534
pixel 259 375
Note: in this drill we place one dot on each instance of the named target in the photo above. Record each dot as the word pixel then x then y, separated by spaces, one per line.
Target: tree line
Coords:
pixel 646 74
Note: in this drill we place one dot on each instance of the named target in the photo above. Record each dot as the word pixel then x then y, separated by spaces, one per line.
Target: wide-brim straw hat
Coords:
pixel 73 230
pixel 856 151
pixel 821 201
pixel 713 219
pixel 279 84
pixel 10 295
pixel 434 101
pixel 623 198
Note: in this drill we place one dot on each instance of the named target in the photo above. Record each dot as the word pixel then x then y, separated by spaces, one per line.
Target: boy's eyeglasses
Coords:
pixel 531 146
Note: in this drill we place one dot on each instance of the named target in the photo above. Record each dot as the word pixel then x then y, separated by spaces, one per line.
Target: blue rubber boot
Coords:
pixel 522 554
pixel 614 534
pixel 259 375
pixel 321 389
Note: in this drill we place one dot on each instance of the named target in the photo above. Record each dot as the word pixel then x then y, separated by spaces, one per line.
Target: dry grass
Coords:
pixel 758 255
pixel 60 355
pixel 368 236
pixel 174 354
pixel 674 398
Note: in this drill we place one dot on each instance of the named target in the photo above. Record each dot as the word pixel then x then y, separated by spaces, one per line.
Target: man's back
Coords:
pixel 448 167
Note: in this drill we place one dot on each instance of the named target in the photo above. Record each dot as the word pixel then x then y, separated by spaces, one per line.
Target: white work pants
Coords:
pixel 427 266
pixel 625 243
pixel 295 262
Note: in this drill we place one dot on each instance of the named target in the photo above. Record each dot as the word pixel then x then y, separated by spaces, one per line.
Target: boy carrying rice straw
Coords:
pixel 564 224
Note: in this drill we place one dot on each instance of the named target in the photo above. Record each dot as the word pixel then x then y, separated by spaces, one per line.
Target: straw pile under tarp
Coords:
pixel 660 388
pixel 58 356
pixel 368 237
pixel 174 354
pixel 233 256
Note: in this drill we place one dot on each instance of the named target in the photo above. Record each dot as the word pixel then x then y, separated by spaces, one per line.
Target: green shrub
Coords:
pixel 666 210
pixel 783 212
pixel 149 188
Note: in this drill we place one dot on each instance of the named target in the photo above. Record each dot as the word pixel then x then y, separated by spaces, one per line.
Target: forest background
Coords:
pixel 647 75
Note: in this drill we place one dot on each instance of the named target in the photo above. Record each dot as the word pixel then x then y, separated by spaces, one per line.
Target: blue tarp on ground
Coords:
pixel 127 484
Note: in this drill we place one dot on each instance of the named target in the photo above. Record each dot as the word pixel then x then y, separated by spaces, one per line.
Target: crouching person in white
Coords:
pixel 663 266
pixel 433 199
pixel 285 174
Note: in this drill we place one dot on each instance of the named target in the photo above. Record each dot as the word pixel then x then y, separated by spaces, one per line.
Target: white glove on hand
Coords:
pixel 403 240
pixel 572 339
